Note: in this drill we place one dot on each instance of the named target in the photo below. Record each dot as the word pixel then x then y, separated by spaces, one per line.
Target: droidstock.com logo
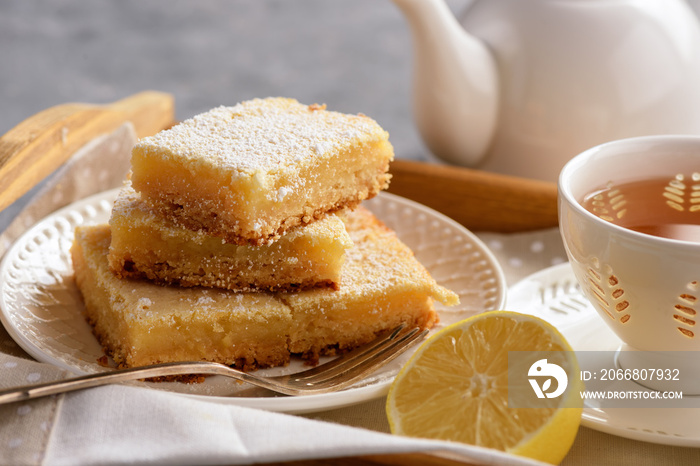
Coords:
pixel 545 372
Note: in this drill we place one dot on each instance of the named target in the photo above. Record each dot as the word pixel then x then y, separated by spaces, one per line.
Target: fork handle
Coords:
pixel 29 392
pixel 36 147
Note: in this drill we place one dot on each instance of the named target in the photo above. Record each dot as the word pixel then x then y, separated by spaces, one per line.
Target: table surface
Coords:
pixel 355 56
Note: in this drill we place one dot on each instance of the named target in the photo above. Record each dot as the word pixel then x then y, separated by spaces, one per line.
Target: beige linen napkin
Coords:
pixel 126 425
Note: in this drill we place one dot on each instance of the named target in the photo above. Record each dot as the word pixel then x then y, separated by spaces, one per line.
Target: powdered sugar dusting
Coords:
pixel 321 148
pixel 203 300
pixel 282 193
pixel 144 303
pixel 263 135
pixel 378 264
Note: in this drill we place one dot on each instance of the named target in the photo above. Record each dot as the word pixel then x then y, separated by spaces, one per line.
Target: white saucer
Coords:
pixel 553 295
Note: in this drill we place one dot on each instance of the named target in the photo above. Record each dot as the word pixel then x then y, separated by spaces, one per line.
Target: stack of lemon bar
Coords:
pixel 239 238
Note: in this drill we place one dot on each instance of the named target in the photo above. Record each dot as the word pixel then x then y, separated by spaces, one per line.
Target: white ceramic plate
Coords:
pixel 42 309
pixel 553 294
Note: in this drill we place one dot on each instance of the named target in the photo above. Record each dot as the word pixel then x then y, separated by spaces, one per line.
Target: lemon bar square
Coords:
pixel 147 245
pixel 139 323
pixel 382 285
pixel 250 172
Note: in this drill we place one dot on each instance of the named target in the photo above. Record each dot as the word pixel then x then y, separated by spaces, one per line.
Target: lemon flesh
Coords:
pixel 456 387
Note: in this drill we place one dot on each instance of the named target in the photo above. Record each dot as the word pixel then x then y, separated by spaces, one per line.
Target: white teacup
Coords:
pixel 646 288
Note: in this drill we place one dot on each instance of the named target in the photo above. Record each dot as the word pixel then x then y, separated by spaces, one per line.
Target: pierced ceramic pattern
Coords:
pixel 610 206
pixel 683 193
pixel 686 309
pixel 42 309
pixel 553 294
pixel 609 293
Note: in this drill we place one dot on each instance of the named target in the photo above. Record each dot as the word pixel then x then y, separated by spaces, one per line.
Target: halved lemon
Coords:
pixel 491 380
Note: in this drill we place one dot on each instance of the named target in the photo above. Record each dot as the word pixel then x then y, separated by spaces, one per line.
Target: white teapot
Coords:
pixel 534 82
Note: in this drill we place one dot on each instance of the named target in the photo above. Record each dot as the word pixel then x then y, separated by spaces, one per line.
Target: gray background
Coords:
pixel 353 55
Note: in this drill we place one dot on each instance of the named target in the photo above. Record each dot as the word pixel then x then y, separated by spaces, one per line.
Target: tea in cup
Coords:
pixel 629 216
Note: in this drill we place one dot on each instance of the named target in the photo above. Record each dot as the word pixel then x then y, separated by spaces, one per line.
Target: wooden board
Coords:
pixel 40 144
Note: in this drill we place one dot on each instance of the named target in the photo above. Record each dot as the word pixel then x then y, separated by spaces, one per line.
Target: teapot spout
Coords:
pixel 455 84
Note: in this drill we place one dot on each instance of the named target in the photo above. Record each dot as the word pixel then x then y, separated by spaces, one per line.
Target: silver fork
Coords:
pixel 332 376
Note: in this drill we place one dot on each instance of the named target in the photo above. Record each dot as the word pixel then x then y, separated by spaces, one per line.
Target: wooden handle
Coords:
pixel 479 200
pixel 39 145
